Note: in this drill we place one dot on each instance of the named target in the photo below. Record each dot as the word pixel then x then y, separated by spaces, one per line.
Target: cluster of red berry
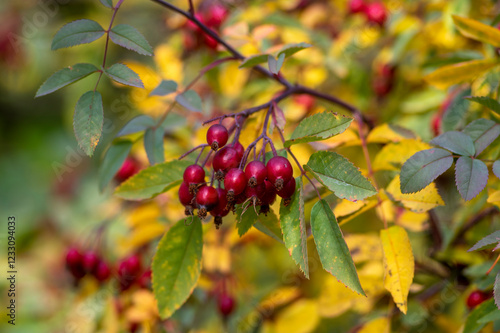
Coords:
pixel 375 12
pixel 213 16
pixel 255 182
pixel 129 271
pixel 383 79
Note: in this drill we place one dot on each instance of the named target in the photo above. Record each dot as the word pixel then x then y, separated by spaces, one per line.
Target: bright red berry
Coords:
pixel 224 160
pixel 436 124
pixel 185 197
pixel 256 173
pixel 216 15
pixel 226 304
pixel 207 199
pixel 210 42
pixel 191 25
pixel 287 192
pixel 279 171
pixel 102 272
pixel 235 182
pixel 240 150
pixel 90 261
pixel 357 6
pixel 129 168
pixel 194 174
pixel 376 13
pixel 217 136
pixel 476 297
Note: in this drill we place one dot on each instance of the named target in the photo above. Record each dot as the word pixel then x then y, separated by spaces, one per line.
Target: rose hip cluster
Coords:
pixel 256 182
pixel 375 11
pixel 129 270
pixel 210 14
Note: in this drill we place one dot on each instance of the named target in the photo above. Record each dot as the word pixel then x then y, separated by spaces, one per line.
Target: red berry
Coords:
pixel 357 6
pixel 476 297
pixel 90 261
pixel 129 168
pixel 145 279
pixel 222 208
pixel 269 195
pixel 436 124
pixel 216 15
pixel 288 189
pixel 194 174
pixel 225 159
pixel 210 42
pixel 73 258
pixel 376 13
pixel 279 171
pixel 225 304
pixel 239 149
pixel 185 197
pixel 256 173
pixel 191 25
pixel 217 136
pixel 102 271
pixel 256 191
pixel 207 199
pixel 235 182
pixel 306 100
pixel 128 271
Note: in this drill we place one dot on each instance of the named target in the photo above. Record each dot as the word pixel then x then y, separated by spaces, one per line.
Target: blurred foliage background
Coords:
pixel 51 188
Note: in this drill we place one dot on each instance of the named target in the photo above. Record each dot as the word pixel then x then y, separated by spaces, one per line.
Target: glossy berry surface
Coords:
pixel 185 197
pixel 129 168
pixel 217 135
pixel 476 297
pixel 376 13
pixel 90 261
pixel 207 199
pixel 240 150
pixel 225 159
pixel 222 208
pixel 279 171
pixel 194 174
pixel 235 182
pixel 102 272
pixel 288 189
pixel 225 304
pixel 256 173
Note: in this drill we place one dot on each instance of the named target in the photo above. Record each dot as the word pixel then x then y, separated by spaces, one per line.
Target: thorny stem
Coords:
pixel 115 10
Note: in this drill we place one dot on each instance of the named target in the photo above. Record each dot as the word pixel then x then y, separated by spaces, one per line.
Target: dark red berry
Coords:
pixel 256 173
pixel 129 168
pixel 222 208
pixel 185 197
pixel 241 198
pixel 287 192
pixel 224 160
pixel 239 149
pixel 216 15
pixel 279 171
pixel 90 261
pixel 225 304
pixel 269 195
pixel 235 182
pixel 476 297
pixel 144 280
pixel 357 6
pixel 207 199
pixel 217 136
pixel 255 192
pixel 194 174
pixel 102 272
pixel 73 258
pixel 211 43
pixel 128 271
pixel 192 26
pixel 376 13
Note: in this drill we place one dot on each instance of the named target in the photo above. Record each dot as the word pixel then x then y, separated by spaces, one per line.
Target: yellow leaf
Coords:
pixel 280 297
pixel 364 247
pixel 494 197
pixel 379 325
pixel 300 317
pixel 457 73
pixel 346 207
pixel 216 258
pixel 143 307
pixel 385 133
pixel 110 322
pixel 369 205
pixel 169 62
pixel 232 79
pixel 399 264
pixel 412 221
pixel 393 155
pixel 386 211
pixel 418 202
pixel 477 30
pixel 144 214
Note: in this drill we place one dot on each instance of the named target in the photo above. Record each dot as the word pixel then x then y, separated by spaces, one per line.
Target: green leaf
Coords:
pixel 290 49
pixel 153 143
pixel 492 316
pixel 423 167
pixel 190 100
pixel 293 227
pixel 124 75
pixel 340 176
pixel 490 103
pixel 113 160
pixel 152 181
pixel 496 168
pixel 270 227
pixel 320 126
pixel 64 77
pixel 488 241
pixel 88 120
pixel 332 249
pixel 477 30
pixel 275 64
pixel 457 142
pixel 482 132
pixel 471 176
pixel 254 60
pixel 249 219
pixel 177 266
pixel 455 113
pixel 496 291
pixel 471 324
pixel 137 124
pixel 164 88
pixel 449 75
pixel 76 33
pixel 131 39
pixel 107 3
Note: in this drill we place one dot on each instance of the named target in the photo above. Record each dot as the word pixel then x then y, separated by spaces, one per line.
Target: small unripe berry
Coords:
pixel 235 182
pixel 279 171
pixel 225 304
pixel 207 199
pixel 476 297
pixel 217 135
pixel 225 159
pixel 256 173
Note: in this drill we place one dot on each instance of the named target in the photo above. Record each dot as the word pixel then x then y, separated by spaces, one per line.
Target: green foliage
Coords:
pixel 490 103
pixel 77 32
pixel 487 241
pixel 190 100
pixel 124 75
pixel 482 132
pixel 456 142
pixel 107 3
pixel 88 120
pixel 473 324
pixel 164 88
pixel 153 143
pixel 471 176
pixel 131 39
pixel 64 77
pixel 137 124
pixel 112 161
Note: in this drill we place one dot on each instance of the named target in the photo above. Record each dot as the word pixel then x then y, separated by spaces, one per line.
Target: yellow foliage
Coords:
pixel 412 221
pixel 169 63
pixel 232 79
pixel 393 155
pixel 300 317
pixel 449 75
pixel 346 207
pixel 418 202
pixel 144 214
pixel 364 247
pixel 399 264
pixel 378 325
pixel 384 133
pixel 279 297
pixel 143 308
